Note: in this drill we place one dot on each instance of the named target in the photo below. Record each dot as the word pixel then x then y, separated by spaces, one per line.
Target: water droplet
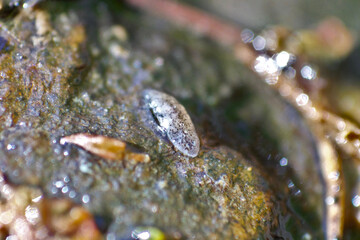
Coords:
pixel 72 194
pixel 330 200
pixel 37 199
pixel 259 43
pixel 306 236
pixel 247 35
pixel 66 179
pixel 307 72
pixel 271 66
pixel 267 66
pixel 65 189
pixel 335 188
pixel 260 63
pixel 334 176
pixel 32 214
pixel 85 167
pixel 272 79
pixel 290 72
pixel 147 233
pixel 18 56
pixel 302 99
pixel 341 125
pixel 10 147
pixel 59 184
pixel 282 59
pixel 356 201
pixel 54 190
pixel 85 198
pixel 291 184
pixel 283 162
pixel 7 216
pixel 340 139
pixel 297 193
pixel 142 235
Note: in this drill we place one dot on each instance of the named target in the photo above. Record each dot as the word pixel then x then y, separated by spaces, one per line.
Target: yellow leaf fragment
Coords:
pixel 136 157
pixel 105 147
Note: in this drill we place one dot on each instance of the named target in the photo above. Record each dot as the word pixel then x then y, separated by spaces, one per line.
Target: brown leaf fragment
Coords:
pixel 105 147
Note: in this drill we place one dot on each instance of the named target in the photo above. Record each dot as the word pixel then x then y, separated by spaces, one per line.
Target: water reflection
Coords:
pixel 356 201
pixel 259 43
pixel 283 162
pixel 308 72
pixel 302 99
pixel 247 35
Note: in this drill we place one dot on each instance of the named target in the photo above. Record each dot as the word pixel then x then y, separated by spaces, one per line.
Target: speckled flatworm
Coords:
pixel 174 121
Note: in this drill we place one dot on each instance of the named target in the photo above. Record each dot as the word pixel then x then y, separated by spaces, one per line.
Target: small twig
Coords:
pixel 201 22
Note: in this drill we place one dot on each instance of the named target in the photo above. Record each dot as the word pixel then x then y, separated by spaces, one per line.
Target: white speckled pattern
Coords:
pixel 174 120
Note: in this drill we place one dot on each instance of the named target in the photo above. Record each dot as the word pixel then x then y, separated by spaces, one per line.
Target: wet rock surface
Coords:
pixel 80 67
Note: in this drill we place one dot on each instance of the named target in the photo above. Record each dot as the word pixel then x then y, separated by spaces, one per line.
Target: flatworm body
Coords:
pixel 174 121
